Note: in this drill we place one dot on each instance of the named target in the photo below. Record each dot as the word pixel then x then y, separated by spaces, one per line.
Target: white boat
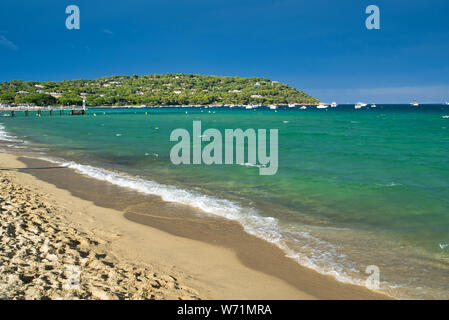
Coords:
pixel 303 108
pixel 291 105
pixel 334 104
pixel 273 107
pixel 414 103
pixel 359 105
pixel 373 106
pixel 447 103
pixel 321 106
pixel 249 107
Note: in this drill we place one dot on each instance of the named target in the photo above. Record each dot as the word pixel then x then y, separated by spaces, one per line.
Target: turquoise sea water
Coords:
pixel 354 187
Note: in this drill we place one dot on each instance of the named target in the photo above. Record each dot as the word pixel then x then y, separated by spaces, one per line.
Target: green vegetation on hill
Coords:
pixel 153 90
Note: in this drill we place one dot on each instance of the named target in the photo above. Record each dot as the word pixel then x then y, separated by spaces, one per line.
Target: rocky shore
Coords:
pixel 43 257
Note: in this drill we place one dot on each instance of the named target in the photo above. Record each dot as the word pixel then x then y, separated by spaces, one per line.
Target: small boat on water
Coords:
pixel 334 104
pixel 321 106
pixel 249 107
pixel 303 108
pixel 414 103
pixel 373 106
pixel 273 107
pixel 447 103
pixel 359 105
pixel 291 105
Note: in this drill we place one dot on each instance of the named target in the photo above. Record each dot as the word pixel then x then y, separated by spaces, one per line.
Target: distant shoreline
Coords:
pixel 57 107
pixel 138 106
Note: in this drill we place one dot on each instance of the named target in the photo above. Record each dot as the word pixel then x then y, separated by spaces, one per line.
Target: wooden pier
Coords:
pixel 13 111
pixel 40 112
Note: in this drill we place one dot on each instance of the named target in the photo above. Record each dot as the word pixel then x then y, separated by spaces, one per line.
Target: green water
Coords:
pixel 354 187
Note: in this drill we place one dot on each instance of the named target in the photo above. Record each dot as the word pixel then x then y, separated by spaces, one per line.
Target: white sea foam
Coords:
pixel 4 135
pixel 393 184
pixel 15 146
pixel 248 164
pixel 323 256
pixel 151 153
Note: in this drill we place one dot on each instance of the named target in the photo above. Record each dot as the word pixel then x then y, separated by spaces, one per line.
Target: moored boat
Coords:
pixel 359 105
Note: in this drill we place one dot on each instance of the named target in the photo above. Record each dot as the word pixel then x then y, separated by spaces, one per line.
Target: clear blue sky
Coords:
pixel 322 47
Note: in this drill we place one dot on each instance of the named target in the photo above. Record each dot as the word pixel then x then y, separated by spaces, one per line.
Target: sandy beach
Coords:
pixel 54 220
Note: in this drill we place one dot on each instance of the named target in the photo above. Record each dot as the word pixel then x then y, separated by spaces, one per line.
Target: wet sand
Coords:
pixel 210 254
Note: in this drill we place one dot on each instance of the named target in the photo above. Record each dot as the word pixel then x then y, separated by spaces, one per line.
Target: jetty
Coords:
pixel 28 110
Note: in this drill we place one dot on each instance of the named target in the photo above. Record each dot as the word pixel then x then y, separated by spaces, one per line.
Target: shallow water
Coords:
pixel 354 187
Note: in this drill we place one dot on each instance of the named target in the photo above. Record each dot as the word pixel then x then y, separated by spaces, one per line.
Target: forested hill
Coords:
pixel 153 90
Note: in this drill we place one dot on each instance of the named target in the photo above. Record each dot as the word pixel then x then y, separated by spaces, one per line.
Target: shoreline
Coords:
pixel 217 265
pixel 45 256
pixel 57 107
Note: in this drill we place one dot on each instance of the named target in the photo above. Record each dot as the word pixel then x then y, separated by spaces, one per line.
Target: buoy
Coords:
pixel 95 114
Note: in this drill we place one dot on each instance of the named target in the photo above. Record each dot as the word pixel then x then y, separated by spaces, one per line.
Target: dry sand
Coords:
pixel 45 230
pixel 42 256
